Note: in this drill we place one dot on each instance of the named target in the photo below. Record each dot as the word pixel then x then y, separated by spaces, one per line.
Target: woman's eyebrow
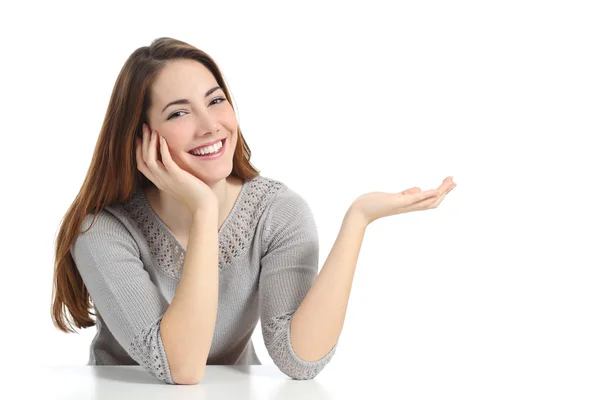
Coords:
pixel 186 101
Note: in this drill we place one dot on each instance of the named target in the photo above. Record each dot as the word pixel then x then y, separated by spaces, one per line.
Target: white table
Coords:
pixel 133 382
pixel 427 380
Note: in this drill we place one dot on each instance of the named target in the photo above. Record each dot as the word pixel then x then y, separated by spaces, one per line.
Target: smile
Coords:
pixel 212 156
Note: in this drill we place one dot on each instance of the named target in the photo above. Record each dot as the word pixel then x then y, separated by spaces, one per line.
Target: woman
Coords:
pixel 177 245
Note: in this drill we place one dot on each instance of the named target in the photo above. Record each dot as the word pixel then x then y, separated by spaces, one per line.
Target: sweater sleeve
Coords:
pixel 108 259
pixel 289 267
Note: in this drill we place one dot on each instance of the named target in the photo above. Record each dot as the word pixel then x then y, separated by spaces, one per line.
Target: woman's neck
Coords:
pixel 177 217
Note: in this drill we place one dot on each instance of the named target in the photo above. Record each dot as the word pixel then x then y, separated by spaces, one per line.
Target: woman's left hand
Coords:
pixel 375 205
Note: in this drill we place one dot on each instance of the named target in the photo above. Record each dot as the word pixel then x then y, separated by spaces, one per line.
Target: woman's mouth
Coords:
pixel 212 156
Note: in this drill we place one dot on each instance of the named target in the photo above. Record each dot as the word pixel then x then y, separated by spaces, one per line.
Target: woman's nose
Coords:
pixel 207 124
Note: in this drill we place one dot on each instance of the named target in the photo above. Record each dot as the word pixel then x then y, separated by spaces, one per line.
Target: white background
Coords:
pixel 494 293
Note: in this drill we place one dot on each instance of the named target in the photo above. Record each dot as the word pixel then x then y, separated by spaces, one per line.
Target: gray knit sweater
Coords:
pixel 131 263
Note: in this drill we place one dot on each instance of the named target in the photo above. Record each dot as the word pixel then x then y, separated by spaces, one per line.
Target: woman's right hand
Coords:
pixel 168 176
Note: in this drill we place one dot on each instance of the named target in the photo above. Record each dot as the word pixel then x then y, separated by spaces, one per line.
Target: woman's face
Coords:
pixel 201 116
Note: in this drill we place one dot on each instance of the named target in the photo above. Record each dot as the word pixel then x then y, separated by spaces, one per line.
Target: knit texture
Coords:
pixel 131 263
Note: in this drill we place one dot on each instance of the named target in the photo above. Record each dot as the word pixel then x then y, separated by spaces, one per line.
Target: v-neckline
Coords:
pixel 226 222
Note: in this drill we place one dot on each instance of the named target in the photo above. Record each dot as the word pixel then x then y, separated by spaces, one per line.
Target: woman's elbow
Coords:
pixel 187 377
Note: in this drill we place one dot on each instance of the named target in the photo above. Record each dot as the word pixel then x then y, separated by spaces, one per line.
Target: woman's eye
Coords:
pixel 175 113
pixel 218 98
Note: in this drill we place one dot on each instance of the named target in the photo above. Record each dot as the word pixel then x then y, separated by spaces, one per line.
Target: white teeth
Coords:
pixel 209 149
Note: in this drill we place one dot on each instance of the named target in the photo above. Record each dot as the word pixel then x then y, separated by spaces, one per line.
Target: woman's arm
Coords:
pixel 188 325
pixel 289 267
pixel 318 322
pixel 169 341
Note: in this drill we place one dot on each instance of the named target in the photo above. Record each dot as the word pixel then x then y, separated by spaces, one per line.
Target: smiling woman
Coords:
pixel 178 246
pixel 173 217
pixel 190 110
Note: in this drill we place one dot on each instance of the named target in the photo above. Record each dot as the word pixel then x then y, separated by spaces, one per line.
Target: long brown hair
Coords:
pixel 113 176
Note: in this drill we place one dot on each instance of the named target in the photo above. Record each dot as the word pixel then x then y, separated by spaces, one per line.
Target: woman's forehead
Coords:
pixel 182 77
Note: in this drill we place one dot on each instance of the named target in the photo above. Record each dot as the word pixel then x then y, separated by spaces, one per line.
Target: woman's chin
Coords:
pixel 211 176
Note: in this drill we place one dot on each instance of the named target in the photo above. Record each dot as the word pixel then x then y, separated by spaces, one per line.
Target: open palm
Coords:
pixel 377 205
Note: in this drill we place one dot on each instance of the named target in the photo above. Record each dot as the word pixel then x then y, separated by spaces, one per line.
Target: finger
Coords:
pixel 153 169
pixel 155 166
pixel 145 142
pixel 141 164
pixel 437 201
pixel 446 187
pixel 145 129
pixel 446 184
pixel 138 153
pixel 150 150
pixel 420 196
pixel 166 155
pixel 424 203
pixel 429 199
pixel 441 197
pixel 140 148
